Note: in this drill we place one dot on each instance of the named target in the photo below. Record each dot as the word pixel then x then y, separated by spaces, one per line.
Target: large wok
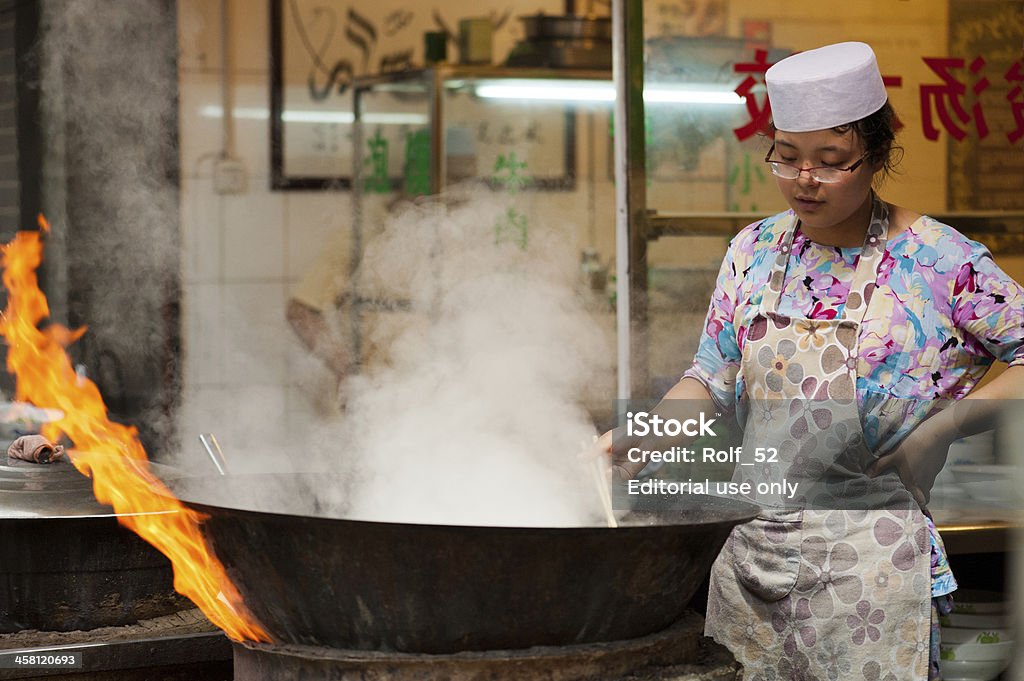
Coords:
pixel 353 583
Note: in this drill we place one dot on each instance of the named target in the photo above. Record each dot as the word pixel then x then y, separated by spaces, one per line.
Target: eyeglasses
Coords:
pixel 823 174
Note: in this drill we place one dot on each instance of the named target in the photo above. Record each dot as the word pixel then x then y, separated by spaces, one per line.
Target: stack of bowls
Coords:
pixel 977 639
pixel 992 485
pixel 976 451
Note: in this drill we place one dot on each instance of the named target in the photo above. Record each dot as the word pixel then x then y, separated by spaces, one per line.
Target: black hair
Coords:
pixel 878 134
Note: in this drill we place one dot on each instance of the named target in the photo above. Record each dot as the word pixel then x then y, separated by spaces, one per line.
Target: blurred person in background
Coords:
pixel 316 313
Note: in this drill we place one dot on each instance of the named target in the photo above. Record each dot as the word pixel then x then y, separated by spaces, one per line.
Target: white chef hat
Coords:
pixel 824 88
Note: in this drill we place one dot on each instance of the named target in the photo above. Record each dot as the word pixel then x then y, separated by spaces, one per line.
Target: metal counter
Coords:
pixel 979 529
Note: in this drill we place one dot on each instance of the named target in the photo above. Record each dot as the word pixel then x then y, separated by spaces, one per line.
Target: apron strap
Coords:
pixel 864 277
pixel 777 278
pixel 871 254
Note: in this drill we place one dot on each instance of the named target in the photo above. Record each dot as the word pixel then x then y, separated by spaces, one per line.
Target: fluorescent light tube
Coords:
pixel 305 116
pixel 601 91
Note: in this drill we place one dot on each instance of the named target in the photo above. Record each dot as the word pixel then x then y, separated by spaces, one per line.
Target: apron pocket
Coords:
pixel 766 553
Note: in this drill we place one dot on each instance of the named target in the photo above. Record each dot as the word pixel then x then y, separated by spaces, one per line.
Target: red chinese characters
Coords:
pixel 760 111
pixel 949 95
pixel 953 103
pixel 1015 76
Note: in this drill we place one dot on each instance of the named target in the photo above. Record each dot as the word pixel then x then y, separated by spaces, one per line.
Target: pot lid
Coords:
pixel 54 490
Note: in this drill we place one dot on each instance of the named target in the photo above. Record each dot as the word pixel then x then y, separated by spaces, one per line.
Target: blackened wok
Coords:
pixel 358 584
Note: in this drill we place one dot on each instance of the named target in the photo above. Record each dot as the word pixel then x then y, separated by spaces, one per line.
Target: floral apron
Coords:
pixel 833 582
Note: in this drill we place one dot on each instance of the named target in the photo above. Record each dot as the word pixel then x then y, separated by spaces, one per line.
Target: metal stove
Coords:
pixel 82 597
pixel 183 645
pixel 680 653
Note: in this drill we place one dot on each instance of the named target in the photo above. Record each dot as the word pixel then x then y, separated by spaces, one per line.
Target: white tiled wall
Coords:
pixel 242 253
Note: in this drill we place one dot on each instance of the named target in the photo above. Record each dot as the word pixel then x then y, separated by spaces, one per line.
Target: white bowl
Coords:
pixel 989 484
pixel 966 670
pixel 980 636
pixel 987 621
pixel 976 652
pixel 976 449
pixel 978 602
pixel 948 494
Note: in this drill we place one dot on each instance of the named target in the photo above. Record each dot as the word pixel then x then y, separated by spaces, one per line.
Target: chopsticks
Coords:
pixel 601 483
pixel 212 447
pixel 599 477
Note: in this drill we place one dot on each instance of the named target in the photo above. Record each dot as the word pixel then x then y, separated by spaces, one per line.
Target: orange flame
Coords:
pixel 108 452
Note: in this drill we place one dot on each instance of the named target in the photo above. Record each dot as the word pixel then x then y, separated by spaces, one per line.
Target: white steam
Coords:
pixel 476 417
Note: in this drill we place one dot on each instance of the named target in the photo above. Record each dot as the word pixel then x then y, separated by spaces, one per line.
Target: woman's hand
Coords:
pixel 918 459
pixel 685 399
pixel 613 446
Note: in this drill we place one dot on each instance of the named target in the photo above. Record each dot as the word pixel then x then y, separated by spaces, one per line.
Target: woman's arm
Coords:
pixel 987 305
pixel 981 409
pixel 710 382
pixel 921 456
pixel 317 336
pixel 685 399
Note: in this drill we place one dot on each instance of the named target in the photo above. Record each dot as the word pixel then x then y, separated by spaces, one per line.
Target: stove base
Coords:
pixel 179 647
pixel 680 653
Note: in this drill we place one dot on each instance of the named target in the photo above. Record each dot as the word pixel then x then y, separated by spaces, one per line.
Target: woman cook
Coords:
pixel 840 330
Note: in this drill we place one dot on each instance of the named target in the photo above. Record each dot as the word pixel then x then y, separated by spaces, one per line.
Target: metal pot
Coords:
pixel 543 27
pixel 353 583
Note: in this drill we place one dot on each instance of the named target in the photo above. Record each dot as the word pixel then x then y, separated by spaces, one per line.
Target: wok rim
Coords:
pixel 738 512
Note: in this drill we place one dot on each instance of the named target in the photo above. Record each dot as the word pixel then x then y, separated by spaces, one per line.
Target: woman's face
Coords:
pixel 821 205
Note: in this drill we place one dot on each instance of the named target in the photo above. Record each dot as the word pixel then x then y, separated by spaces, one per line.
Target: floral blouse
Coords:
pixel 941 313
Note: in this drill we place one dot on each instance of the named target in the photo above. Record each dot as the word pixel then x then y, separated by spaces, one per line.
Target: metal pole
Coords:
pixel 630 197
pixel 358 187
pixel 435 81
